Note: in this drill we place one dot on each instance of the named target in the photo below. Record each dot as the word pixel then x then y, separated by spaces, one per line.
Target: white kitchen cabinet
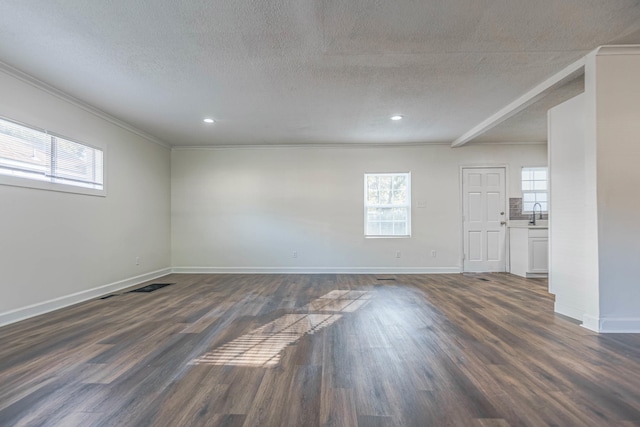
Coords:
pixel 529 251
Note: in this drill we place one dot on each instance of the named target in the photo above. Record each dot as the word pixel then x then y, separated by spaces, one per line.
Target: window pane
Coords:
pixel 386 228
pixel 385 197
pixel 76 161
pixel 23 149
pixel 385 182
pixel 372 196
pixel 372 183
pixel 534 188
pixel 400 214
pixel 373 228
pixel 387 214
pixel 400 182
pixel 400 197
pixel 374 214
pixel 540 175
pixel 400 228
pixel 539 185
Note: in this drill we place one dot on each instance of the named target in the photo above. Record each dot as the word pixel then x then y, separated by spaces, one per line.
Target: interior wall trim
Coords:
pixel 590 322
pixel 316 270
pixel 617 325
pixel 618 49
pixel 566 310
pixel 67 300
pixel 345 145
pixel 38 84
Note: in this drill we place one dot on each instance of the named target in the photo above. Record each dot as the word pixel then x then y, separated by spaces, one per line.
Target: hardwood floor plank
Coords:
pixel 375 421
pixel 239 395
pixel 271 406
pixel 304 397
pixel 338 408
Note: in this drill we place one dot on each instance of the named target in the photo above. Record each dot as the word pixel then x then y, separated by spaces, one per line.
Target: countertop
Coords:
pixel 540 224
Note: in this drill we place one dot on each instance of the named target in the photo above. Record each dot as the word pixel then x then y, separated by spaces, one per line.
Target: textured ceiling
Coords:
pixel 300 71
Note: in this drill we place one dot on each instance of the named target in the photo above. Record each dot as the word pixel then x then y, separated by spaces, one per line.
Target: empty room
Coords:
pixel 319 213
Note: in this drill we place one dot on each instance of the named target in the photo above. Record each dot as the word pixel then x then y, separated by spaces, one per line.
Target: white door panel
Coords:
pixel 483 198
pixel 475 246
pixel 493 246
pixel 475 207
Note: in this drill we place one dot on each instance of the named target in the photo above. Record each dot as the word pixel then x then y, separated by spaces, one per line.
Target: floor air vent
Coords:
pixel 152 287
pixel 108 296
pixel 385 278
pixel 483 279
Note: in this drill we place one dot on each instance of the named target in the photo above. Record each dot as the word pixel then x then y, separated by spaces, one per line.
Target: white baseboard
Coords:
pixel 612 325
pixel 67 300
pixel 316 270
pixel 537 275
pixel 565 310
pixel 590 322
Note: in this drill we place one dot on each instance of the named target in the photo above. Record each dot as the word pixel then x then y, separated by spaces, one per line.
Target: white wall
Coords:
pixel 248 209
pixel 56 248
pixel 594 155
pixel 617 132
pixel 573 262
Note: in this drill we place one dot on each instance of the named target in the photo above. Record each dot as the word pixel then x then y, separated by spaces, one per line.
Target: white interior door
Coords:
pixel 484 219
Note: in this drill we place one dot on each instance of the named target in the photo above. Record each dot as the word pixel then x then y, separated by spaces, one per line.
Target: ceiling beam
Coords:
pixel 541 90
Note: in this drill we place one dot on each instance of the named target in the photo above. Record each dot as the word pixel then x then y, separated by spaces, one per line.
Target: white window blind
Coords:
pixel 534 189
pixel 387 199
pixel 37 155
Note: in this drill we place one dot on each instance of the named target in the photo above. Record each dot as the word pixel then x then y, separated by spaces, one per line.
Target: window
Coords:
pixel 33 155
pixel 534 189
pixel 387 204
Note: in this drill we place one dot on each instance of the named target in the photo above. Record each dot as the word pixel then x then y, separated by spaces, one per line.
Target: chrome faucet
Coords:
pixel 533 214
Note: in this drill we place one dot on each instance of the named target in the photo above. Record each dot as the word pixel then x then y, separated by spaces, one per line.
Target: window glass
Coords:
pixel 534 189
pixel 387 204
pixel 32 154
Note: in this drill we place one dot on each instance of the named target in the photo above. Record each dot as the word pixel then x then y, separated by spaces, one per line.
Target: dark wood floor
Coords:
pixel 284 350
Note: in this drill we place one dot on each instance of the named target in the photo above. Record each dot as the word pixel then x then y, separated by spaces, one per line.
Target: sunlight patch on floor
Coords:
pixel 262 346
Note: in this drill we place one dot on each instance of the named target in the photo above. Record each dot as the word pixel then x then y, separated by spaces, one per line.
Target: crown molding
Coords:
pixel 348 145
pixel 618 49
pixel 39 84
pixel 510 143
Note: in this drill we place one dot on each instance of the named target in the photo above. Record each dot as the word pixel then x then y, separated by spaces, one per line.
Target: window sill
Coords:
pixel 15 181
pixel 388 237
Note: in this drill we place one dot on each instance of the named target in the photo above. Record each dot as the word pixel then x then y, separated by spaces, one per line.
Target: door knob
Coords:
pixel 503 222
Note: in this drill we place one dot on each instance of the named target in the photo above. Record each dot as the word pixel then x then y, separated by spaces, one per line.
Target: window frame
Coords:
pixel 49 182
pixel 406 205
pixel 534 168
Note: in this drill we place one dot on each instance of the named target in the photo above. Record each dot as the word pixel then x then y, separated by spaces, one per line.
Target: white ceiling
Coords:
pixel 305 71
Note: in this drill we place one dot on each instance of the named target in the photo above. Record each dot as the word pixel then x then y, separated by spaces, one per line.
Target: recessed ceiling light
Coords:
pixel 208 120
pixel 397 117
